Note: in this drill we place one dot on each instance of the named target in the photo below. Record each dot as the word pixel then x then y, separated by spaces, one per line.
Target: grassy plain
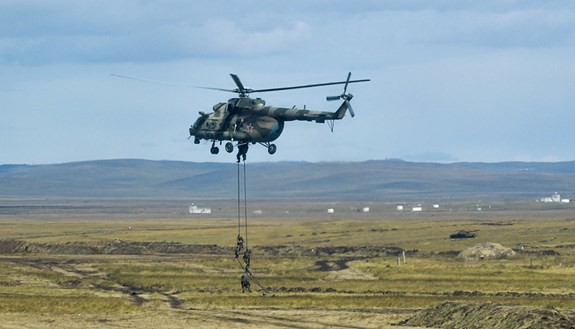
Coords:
pixel 319 270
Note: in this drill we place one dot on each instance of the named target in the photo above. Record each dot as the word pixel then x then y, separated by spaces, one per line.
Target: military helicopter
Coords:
pixel 246 120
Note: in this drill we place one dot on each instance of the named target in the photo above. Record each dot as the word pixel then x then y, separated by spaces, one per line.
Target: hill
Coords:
pixel 369 180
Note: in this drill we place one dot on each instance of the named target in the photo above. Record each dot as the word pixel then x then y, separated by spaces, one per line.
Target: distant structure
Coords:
pixel 417 208
pixel 197 210
pixel 359 209
pixel 554 198
pixel 330 211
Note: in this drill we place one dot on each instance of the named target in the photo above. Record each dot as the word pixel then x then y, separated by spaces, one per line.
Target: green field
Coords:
pixel 313 272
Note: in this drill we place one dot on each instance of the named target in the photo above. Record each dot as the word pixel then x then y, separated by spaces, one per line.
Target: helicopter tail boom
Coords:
pixel 340 113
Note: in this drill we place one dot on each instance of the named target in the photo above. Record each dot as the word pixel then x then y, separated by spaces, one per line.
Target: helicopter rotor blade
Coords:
pixel 170 83
pixel 346 82
pixel 218 89
pixel 151 81
pixel 333 98
pixel 309 86
pixel 238 82
pixel 348 103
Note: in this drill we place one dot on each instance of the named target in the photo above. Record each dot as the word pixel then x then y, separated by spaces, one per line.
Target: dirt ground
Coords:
pixel 488 315
pixel 336 264
pixel 444 315
pixel 225 318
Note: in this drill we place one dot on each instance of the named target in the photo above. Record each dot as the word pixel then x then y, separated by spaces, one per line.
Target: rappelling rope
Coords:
pixel 244 266
pixel 253 278
pixel 239 197
pixel 245 206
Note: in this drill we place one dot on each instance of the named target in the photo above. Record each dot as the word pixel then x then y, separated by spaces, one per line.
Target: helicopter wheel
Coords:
pixel 229 147
pixel 272 148
pixel 215 150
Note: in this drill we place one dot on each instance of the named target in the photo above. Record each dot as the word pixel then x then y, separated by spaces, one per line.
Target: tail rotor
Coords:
pixel 345 96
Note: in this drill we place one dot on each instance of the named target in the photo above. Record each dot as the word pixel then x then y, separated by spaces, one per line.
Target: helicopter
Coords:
pixel 245 120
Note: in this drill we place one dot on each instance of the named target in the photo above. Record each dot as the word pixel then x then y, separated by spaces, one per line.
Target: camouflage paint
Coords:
pixel 249 120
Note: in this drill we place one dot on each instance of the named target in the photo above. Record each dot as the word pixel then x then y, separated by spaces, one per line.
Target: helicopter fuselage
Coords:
pixel 243 120
pixel 248 120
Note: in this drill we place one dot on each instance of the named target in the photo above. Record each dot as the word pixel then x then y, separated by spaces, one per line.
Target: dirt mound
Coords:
pixel 487 250
pixel 474 316
pixel 119 247
pixel 367 251
pixel 116 247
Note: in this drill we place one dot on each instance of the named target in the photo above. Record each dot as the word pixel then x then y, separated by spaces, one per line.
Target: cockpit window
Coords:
pixel 199 122
pixel 218 106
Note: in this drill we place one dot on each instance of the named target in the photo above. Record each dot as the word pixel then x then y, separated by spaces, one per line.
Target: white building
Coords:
pixel 197 210
pixel 554 198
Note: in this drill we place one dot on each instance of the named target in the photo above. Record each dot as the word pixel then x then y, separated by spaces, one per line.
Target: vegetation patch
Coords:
pixel 487 315
pixel 344 272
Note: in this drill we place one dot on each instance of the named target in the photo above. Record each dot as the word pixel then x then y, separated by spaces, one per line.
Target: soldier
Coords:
pixel 239 245
pixel 247 256
pixel 245 283
pixel 242 151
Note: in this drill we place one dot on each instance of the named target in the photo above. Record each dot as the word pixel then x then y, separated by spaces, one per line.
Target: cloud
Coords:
pixel 37 33
pixel 225 38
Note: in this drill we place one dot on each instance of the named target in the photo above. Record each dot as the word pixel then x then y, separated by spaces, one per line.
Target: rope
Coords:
pixel 239 207
pixel 253 278
pixel 245 205
pixel 245 245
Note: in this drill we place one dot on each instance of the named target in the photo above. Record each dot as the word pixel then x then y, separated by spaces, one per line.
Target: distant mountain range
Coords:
pixel 369 180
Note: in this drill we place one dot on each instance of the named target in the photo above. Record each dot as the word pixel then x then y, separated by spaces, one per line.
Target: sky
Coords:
pixel 451 81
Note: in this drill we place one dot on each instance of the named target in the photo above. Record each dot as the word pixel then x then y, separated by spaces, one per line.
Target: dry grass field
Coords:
pixel 100 264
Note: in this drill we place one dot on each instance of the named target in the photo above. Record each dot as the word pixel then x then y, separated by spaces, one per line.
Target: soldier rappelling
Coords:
pixel 242 151
pixel 245 280
pixel 239 245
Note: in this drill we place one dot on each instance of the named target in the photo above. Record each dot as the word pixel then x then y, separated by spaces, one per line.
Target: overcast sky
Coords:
pixel 461 80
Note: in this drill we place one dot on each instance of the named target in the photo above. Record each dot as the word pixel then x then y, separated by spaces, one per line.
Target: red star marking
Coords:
pixel 249 128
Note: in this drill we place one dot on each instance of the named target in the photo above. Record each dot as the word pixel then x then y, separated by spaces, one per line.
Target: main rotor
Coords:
pixel 242 91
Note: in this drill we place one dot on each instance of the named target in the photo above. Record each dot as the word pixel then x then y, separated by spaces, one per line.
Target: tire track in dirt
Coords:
pixel 67 269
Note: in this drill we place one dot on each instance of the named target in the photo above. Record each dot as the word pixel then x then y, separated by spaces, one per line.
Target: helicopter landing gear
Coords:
pixel 214 149
pixel 229 147
pixel 272 148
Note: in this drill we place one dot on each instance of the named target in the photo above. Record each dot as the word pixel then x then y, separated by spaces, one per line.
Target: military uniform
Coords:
pixel 245 283
pixel 247 259
pixel 239 246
